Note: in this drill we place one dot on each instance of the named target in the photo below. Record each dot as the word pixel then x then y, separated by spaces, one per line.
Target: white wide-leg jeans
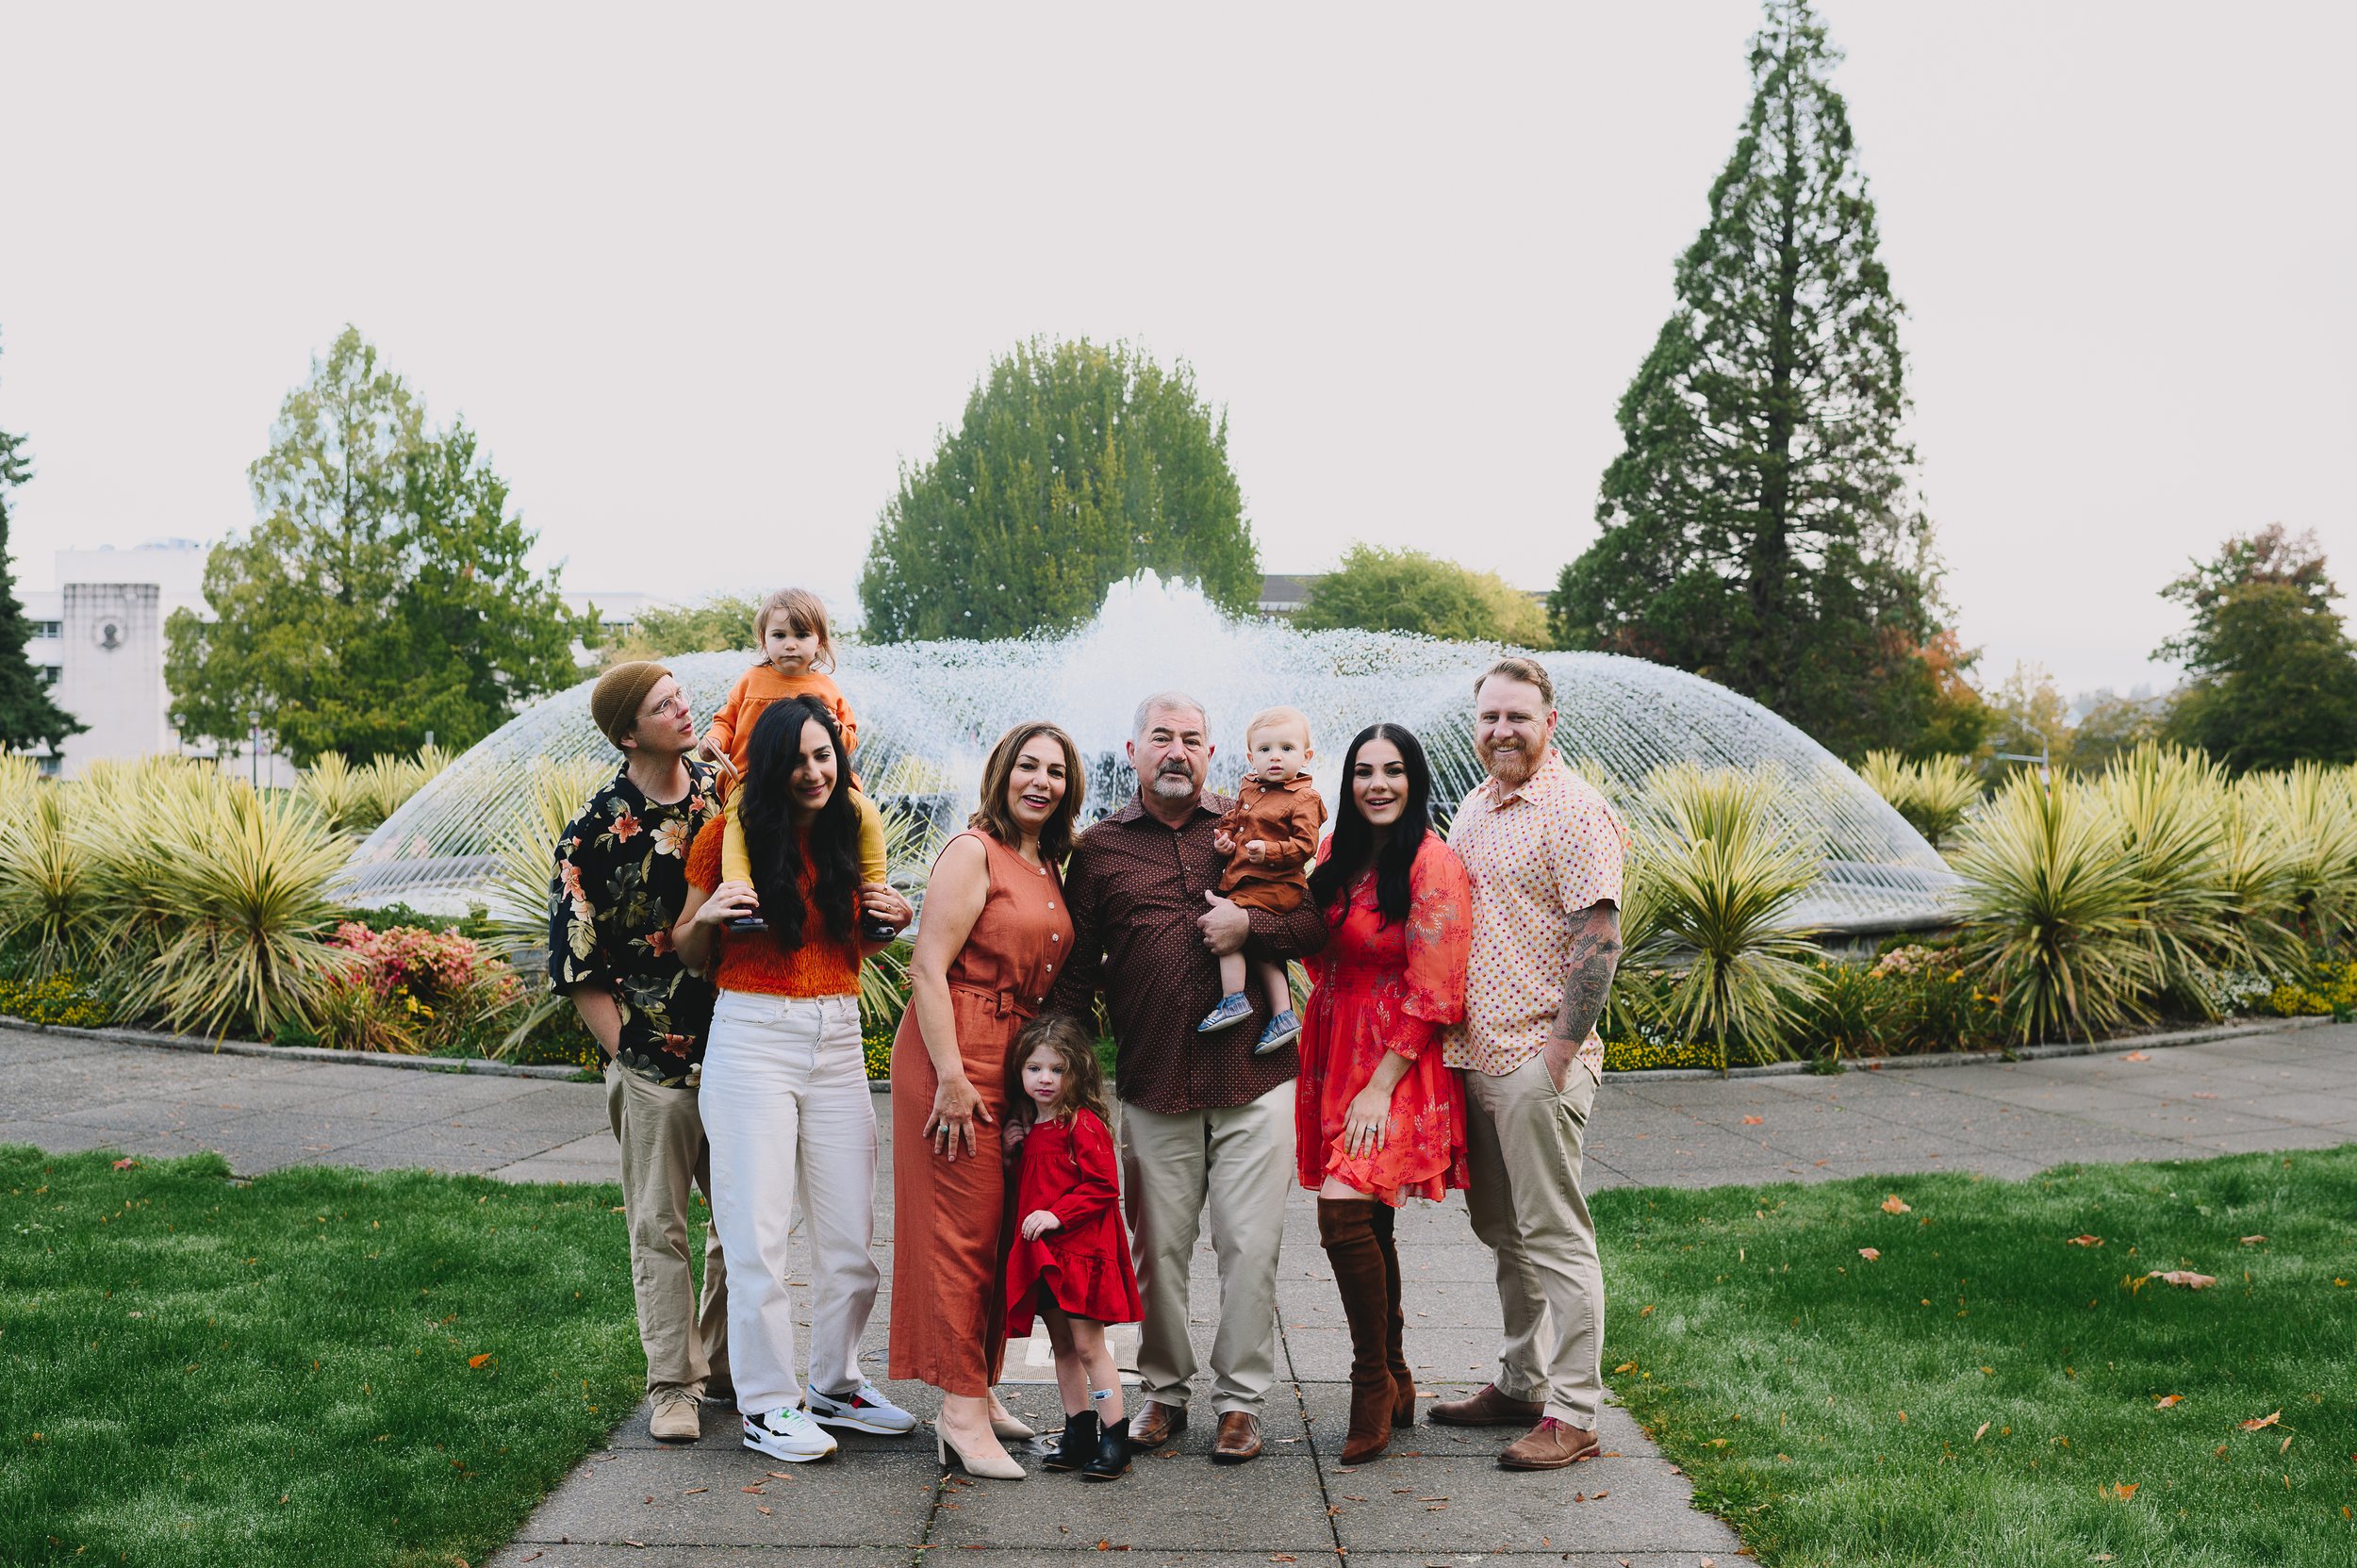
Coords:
pixel 787 1112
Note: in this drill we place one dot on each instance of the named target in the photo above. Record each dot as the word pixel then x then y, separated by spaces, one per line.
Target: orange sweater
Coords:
pixel 753 961
pixel 732 730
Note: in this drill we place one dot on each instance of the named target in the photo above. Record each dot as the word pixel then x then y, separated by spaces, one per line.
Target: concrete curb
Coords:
pixel 297 1053
pixel 884 1086
pixel 1970 1058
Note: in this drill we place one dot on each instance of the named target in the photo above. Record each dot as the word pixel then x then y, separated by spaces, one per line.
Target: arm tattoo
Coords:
pixel 1587 976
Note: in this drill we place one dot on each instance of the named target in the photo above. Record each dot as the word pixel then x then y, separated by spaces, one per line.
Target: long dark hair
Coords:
pixel 1354 835
pixel 1083 1076
pixel 771 843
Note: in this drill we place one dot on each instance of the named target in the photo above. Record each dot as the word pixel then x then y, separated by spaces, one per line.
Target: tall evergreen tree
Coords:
pixel 1757 526
pixel 382 594
pixel 28 715
pixel 1073 467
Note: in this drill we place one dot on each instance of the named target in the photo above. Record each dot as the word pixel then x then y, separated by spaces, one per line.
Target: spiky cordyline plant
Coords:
pixel 1715 903
pixel 335 791
pixel 213 900
pixel 522 876
pixel 2167 806
pixel 2049 905
pixel 2257 865
pixel 45 898
pixel 2312 809
pixel 1933 795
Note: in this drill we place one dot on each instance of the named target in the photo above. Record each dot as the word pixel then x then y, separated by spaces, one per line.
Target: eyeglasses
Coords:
pixel 675 703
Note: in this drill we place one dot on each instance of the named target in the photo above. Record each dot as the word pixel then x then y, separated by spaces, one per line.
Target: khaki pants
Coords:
pixel 1240 1158
pixel 1527 1208
pixel 663 1149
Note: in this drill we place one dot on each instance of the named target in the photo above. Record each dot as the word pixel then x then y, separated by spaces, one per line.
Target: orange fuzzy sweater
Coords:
pixel 753 961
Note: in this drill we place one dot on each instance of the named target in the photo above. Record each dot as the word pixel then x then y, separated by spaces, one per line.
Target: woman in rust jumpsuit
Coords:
pixel 994 940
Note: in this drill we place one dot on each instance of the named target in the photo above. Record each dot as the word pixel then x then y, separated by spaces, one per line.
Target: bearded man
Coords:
pixel 1544 850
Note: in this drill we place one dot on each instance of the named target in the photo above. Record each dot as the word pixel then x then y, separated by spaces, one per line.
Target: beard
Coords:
pixel 1508 767
pixel 1175 783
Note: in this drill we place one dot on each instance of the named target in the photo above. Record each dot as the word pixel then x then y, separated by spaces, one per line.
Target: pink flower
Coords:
pixel 671 839
pixel 625 827
pixel 660 943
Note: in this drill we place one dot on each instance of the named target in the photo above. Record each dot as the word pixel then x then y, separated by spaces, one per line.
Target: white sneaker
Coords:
pixel 788 1434
pixel 863 1410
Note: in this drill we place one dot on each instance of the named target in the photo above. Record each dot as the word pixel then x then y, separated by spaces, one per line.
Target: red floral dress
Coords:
pixel 1082 1265
pixel 1387 987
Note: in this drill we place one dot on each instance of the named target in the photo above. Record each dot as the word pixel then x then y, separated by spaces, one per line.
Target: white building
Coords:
pixel 98 639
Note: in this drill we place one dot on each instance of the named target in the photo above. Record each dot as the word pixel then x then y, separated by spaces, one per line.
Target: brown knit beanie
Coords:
pixel 614 701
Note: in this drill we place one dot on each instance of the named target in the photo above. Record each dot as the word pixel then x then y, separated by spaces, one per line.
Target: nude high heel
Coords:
pixel 997 1466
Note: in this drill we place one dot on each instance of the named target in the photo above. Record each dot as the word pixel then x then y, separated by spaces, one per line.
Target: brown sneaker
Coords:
pixel 1487 1408
pixel 675 1419
pixel 1549 1445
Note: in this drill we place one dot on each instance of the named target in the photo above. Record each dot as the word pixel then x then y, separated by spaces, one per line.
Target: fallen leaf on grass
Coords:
pixel 2252 1241
pixel 2167 1399
pixel 2286 1445
pixel 2187 1279
pixel 124 1164
pixel 2086 1240
pixel 2256 1422
pixel 1980 1432
pixel 2121 1489
pixel 1646 1312
pixel 1625 1366
pixel 1894 1204
pixel 1870 1254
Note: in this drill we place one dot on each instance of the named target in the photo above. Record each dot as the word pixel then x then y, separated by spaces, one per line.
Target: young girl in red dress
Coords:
pixel 1071 1260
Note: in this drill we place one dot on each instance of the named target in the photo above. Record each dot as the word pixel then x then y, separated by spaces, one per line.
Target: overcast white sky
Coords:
pixel 705 277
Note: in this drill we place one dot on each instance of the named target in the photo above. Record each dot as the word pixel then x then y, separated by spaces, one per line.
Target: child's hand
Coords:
pixel 1256 851
pixel 1224 842
pixel 1039 1222
pixel 1011 1135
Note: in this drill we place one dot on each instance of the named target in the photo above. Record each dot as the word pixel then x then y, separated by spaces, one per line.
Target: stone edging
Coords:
pixel 1970 1058
pixel 882 1085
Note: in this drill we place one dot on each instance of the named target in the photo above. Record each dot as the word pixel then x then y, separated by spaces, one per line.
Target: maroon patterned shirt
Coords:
pixel 1135 888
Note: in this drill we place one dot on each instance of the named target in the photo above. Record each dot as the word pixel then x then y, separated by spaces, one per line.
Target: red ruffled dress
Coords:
pixel 1389 987
pixel 1084 1266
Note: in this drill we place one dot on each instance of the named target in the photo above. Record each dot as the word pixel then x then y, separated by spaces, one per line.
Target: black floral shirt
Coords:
pixel 622 878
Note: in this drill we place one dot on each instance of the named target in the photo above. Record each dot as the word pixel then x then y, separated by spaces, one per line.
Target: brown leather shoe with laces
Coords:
pixel 1238 1438
pixel 1487 1408
pixel 1156 1423
pixel 1549 1445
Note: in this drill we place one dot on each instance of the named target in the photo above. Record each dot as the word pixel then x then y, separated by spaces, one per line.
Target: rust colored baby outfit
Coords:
pixel 1285 818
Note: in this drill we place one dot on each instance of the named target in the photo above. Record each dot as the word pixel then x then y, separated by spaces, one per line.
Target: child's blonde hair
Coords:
pixel 1083 1078
pixel 1269 719
pixel 805 615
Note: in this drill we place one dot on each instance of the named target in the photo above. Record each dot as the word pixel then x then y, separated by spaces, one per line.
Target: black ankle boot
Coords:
pixel 1077 1444
pixel 1113 1452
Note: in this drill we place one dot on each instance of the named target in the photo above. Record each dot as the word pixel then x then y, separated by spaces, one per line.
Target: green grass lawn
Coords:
pixel 1985 1392
pixel 323 1367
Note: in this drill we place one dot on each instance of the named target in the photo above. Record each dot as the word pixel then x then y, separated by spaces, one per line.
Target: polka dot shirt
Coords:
pixel 1537 855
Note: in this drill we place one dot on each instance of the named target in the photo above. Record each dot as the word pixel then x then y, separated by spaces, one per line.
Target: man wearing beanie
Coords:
pixel 621 878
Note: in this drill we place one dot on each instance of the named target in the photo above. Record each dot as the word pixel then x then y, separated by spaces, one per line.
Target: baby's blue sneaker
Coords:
pixel 1282 1030
pixel 1233 1009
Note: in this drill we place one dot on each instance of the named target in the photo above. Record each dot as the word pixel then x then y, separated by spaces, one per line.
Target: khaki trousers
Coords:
pixel 662 1150
pixel 1240 1158
pixel 1525 1141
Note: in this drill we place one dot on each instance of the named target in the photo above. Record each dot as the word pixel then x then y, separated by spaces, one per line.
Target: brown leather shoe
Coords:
pixel 1238 1438
pixel 1549 1445
pixel 1487 1408
pixel 1156 1423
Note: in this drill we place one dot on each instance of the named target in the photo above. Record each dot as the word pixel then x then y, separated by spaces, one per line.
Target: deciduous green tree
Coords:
pixel 1758 525
pixel 2274 673
pixel 28 715
pixel 1073 467
pixel 1406 590
pixel 713 626
pixel 382 594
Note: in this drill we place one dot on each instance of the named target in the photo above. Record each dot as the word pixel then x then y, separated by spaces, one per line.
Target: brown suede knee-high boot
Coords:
pixel 1347 1229
pixel 1394 1326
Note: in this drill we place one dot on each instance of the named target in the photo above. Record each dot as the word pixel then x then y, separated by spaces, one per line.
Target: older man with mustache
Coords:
pixel 1202 1118
pixel 1544 850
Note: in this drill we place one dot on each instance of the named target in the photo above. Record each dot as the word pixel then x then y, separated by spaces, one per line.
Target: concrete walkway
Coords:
pixel 1437 1499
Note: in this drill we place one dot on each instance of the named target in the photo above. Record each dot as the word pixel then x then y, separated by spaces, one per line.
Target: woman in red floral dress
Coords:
pixel 1380 1118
